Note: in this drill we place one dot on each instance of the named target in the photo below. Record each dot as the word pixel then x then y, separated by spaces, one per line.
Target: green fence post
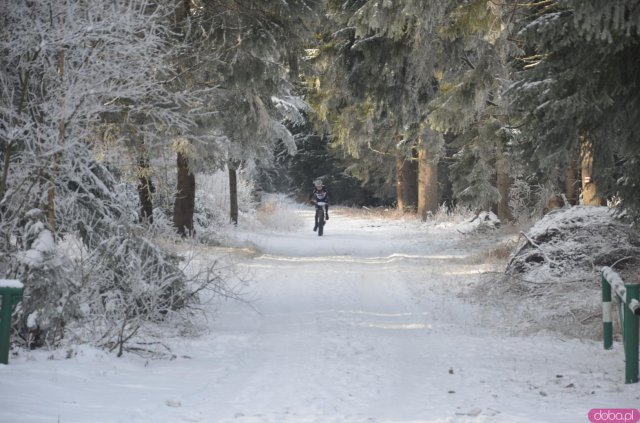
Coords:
pixel 607 323
pixel 630 336
pixel 11 292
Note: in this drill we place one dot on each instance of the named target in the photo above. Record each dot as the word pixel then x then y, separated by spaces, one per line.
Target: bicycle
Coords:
pixel 320 217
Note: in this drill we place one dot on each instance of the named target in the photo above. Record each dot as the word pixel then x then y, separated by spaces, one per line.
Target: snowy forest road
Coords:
pixel 363 324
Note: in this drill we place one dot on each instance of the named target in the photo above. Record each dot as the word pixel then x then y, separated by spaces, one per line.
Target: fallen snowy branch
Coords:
pixel 546 257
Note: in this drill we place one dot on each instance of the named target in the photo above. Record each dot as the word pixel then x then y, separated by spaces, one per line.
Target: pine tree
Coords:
pixel 251 50
pixel 474 73
pixel 580 82
pixel 375 80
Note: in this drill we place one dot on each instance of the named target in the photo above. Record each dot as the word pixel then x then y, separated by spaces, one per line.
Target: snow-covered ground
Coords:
pixel 363 324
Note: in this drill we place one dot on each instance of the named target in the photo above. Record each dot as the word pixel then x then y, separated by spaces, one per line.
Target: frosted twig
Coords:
pixel 518 249
pixel 589 317
pixel 622 259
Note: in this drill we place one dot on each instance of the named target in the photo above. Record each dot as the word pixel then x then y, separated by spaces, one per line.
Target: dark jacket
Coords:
pixel 320 195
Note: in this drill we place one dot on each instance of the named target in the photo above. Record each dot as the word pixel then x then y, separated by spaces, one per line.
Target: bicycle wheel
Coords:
pixel 320 214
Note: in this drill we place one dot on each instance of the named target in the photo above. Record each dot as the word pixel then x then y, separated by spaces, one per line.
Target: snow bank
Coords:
pixel 552 281
pixel 573 243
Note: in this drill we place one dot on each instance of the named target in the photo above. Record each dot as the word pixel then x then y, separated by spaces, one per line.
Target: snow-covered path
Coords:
pixel 359 325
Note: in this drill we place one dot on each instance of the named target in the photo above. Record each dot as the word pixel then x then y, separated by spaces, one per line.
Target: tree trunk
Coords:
pixel 186 190
pixel 51 205
pixel 5 169
pixel 185 197
pixel 53 177
pixel 571 182
pixel 182 11
pixel 589 191
pixel 24 85
pixel 503 184
pixel 427 184
pixel 406 184
pixel 145 191
pixel 233 191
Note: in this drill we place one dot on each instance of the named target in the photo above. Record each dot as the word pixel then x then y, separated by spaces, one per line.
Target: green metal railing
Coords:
pixel 629 303
pixel 11 292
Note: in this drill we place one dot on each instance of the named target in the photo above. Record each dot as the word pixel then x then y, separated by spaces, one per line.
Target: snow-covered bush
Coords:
pixel 84 96
pixel 278 212
pixel 114 279
pixel 212 200
pixel 469 222
pixel 576 241
pixel 48 301
pixel 449 215
pixel 552 278
pixel 130 281
pixel 520 200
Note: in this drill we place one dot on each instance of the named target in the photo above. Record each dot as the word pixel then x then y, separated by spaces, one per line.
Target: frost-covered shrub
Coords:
pixel 212 199
pixel 520 199
pixel 552 279
pixel 448 215
pixel 48 300
pixel 71 70
pixel 130 281
pixel 278 212
pixel 575 241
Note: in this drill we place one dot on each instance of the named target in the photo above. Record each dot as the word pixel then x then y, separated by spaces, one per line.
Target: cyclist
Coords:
pixel 320 193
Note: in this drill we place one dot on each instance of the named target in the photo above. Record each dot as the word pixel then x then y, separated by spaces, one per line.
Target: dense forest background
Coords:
pixel 115 115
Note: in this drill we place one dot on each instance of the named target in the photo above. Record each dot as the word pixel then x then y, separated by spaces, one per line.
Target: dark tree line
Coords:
pixel 519 100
